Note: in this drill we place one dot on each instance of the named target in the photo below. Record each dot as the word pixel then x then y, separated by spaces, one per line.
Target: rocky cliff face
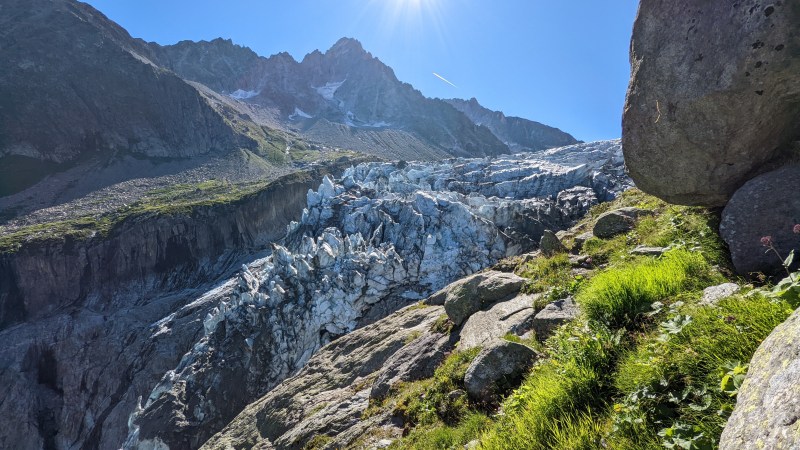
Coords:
pixel 518 133
pixel 75 86
pixel 383 236
pixel 86 317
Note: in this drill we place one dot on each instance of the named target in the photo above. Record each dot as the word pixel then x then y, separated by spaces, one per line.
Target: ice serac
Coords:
pixel 378 238
pixel 713 98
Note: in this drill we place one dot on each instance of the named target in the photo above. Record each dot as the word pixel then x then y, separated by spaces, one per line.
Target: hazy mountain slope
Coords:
pixel 518 133
pixel 75 85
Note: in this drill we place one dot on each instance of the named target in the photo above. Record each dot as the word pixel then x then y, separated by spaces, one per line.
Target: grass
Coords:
pixel 445 437
pixel 546 273
pixel 570 382
pixel 619 296
pixel 427 402
pixel 683 379
pixel 177 199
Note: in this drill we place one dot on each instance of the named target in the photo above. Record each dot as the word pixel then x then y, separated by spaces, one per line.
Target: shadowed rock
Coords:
pixel 767 205
pixel 500 365
pixel 713 98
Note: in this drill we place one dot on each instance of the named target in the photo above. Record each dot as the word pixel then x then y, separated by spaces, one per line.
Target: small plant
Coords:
pixel 732 377
pixel 442 324
pixel 767 242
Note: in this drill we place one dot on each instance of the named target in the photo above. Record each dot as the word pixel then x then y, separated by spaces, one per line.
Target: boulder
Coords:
pixel 767 205
pixel 714 96
pixel 417 360
pixel 553 315
pixel 471 294
pixel 484 327
pixel 713 294
pixel 642 250
pixel 577 243
pixel 500 365
pixel 616 222
pixel 767 413
pixel 550 244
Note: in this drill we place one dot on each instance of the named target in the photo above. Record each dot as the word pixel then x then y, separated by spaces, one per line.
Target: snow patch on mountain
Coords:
pixel 241 94
pixel 329 89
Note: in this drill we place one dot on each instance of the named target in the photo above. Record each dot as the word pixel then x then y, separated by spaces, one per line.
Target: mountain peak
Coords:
pixel 346 44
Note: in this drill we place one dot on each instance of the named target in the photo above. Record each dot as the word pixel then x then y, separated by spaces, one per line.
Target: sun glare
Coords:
pixel 410 20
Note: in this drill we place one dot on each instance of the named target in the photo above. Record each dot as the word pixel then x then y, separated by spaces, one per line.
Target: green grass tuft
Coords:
pixel 616 297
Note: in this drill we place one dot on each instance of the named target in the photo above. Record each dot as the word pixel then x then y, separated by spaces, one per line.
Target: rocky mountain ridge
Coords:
pixel 519 134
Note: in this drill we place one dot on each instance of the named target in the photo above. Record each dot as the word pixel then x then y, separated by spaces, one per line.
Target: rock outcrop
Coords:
pixel 714 96
pixel 554 315
pixel 471 294
pixel 765 207
pixel 331 393
pixel 767 413
pixel 615 222
pixel 498 366
pixel 484 327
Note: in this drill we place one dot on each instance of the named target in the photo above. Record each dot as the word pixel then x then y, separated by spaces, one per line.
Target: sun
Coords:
pixel 411 17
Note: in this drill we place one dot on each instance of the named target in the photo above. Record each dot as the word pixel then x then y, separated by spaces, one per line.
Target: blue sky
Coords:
pixel 561 63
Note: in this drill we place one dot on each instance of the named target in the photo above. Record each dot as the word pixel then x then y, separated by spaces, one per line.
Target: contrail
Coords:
pixel 445 80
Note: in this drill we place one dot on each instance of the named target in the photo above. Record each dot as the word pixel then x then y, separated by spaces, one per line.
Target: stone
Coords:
pixel 579 240
pixel 471 294
pixel 550 244
pixel 713 294
pixel 767 205
pixel 484 327
pixel 648 251
pixel 767 412
pixel 383 443
pixel 553 315
pixel 417 360
pixel 615 222
pixel 713 98
pixel 499 366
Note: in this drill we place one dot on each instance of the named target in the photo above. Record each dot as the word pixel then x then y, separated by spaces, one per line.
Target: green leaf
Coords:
pixel 789 259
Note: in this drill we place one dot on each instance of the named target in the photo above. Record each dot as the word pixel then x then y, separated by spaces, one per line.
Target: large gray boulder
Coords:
pixel 714 95
pixel 550 244
pixel 615 222
pixel 553 315
pixel 768 205
pixel 767 413
pixel 502 364
pixel 469 295
pixel 484 327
